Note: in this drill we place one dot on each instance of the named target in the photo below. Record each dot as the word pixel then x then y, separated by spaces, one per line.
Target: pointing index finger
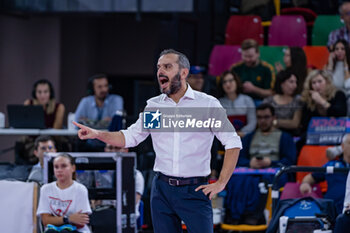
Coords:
pixel 78 125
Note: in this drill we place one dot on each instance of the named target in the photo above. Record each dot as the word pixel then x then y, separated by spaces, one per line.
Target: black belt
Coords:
pixel 178 181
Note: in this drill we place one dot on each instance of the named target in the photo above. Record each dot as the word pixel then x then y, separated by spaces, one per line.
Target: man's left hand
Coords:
pixel 266 162
pixel 248 87
pixel 211 189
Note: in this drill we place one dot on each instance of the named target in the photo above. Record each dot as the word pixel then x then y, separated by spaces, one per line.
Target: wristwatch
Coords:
pixel 65 220
pixel 274 122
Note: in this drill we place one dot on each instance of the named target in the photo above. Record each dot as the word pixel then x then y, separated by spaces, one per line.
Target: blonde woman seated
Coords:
pixel 286 102
pixel 321 98
pixel 43 94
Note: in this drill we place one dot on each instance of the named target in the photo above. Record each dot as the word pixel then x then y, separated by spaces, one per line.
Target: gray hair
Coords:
pixel 341 7
pixel 182 60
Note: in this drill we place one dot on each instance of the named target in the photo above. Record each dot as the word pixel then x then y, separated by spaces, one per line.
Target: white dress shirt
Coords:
pixel 347 193
pixel 182 154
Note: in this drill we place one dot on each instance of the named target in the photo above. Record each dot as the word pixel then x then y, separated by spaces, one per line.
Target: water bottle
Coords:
pixel 2 120
pixel 71 117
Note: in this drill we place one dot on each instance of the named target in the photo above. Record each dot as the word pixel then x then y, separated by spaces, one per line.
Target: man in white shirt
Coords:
pixel 343 220
pixel 180 190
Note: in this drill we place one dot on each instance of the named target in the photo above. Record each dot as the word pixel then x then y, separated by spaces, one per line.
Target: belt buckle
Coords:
pixel 174 182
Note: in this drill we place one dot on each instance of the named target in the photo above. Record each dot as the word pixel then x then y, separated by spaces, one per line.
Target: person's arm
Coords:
pixel 58 123
pixel 305 186
pixel 113 138
pixel 249 87
pixel 290 123
pixel 332 38
pixel 278 66
pixel 347 194
pixel 230 161
pixel 125 138
pixel 288 152
pixel 337 106
pixel 26 102
pixel 251 116
pixel 243 160
pixel 330 64
pixel 77 218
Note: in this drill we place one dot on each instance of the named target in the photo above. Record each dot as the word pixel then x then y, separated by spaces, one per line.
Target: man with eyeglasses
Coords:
pixel 265 147
pixel 42 144
pixel 343 32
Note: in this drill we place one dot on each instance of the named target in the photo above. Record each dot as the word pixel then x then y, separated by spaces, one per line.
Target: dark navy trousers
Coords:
pixel 171 204
pixel 342 224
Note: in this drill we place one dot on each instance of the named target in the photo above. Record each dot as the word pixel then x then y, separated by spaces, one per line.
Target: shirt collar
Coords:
pixel 93 103
pixel 188 94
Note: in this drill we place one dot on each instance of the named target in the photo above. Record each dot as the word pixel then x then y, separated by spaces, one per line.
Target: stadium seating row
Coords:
pixel 284 30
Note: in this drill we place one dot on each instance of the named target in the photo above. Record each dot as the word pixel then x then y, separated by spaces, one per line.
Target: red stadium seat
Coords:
pixel 317 56
pixel 314 156
pixel 222 57
pixel 241 27
pixel 287 30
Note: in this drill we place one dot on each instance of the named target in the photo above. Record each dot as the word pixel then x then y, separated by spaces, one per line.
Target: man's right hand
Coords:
pixel 305 188
pixel 86 132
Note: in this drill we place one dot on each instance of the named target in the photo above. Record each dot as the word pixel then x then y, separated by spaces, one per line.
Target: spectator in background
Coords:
pixel 295 60
pixel 43 94
pixel 338 65
pixel 257 76
pixel 321 98
pixel 42 144
pixel 97 109
pixel 286 102
pixel 196 78
pixel 343 32
pixel 64 204
pixel 200 81
pixel 239 107
pixel 336 182
pixel 266 147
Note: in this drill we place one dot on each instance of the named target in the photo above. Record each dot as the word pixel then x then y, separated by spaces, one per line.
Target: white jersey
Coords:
pixel 64 202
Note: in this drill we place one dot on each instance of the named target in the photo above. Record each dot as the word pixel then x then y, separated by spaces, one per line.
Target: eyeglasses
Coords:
pixel 346 13
pixel 47 147
pixel 228 81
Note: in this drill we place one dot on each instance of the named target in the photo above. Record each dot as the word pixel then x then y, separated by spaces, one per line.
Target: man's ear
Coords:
pixel 184 72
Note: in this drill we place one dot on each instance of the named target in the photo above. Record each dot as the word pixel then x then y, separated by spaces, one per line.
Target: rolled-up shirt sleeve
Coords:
pixel 135 134
pixel 347 193
pixel 228 138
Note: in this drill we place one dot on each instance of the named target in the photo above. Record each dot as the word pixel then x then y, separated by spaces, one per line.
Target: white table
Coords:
pixel 53 132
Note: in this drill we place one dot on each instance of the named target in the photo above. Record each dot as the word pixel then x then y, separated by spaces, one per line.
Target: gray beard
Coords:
pixel 174 86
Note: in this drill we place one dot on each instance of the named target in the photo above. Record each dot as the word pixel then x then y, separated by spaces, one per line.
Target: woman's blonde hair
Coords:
pixel 329 92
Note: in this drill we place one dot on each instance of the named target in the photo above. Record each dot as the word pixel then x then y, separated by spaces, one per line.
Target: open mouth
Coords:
pixel 163 81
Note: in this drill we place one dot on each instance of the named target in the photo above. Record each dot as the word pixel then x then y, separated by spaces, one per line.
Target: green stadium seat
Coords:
pixel 323 25
pixel 272 54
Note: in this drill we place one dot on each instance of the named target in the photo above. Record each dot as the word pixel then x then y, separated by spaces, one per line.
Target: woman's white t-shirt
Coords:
pixel 64 202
